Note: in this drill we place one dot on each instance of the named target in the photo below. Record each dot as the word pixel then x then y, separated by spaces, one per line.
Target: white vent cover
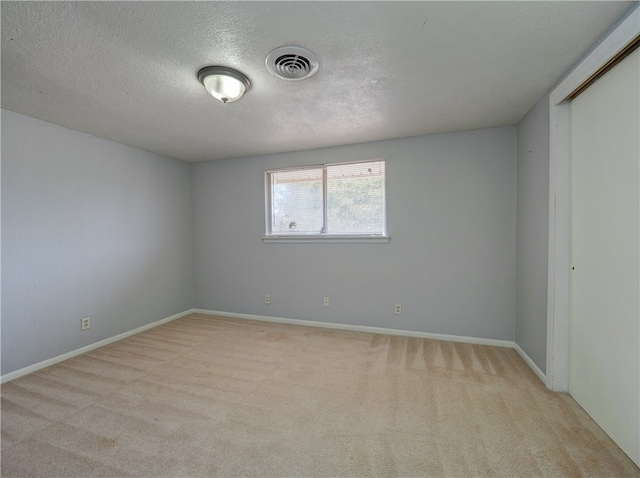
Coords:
pixel 292 63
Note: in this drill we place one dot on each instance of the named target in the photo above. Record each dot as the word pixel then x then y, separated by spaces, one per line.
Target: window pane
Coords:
pixel 296 201
pixel 349 199
pixel 355 198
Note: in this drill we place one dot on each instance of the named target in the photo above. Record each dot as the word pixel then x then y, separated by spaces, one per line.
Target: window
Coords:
pixel 330 201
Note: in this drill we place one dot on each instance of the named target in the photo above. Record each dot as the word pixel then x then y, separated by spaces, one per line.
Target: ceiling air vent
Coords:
pixel 292 63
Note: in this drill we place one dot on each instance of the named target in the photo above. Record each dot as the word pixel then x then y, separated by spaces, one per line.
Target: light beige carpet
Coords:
pixel 209 396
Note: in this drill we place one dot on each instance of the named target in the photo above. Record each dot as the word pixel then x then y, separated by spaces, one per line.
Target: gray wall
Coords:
pixel 533 232
pixel 451 260
pixel 89 227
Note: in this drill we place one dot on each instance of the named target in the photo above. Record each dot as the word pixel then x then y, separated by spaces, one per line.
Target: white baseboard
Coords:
pixel 530 363
pixel 383 330
pixel 361 328
pixel 264 318
pixel 46 363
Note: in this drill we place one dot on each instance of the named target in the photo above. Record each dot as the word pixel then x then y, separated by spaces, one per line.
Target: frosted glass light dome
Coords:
pixel 223 83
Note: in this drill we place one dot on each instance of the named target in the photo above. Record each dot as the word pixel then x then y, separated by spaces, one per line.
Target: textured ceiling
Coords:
pixel 126 71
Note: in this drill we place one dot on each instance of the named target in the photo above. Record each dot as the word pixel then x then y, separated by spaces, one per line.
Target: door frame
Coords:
pixel 558 280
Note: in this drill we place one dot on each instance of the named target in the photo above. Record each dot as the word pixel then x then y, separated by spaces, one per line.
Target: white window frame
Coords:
pixel 320 237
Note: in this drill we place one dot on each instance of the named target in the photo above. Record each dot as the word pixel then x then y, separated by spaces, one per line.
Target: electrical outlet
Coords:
pixel 326 302
pixel 85 323
pixel 398 309
pixel 267 299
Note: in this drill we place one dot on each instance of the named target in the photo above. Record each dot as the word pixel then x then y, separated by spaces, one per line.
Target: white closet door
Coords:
pixel 604 347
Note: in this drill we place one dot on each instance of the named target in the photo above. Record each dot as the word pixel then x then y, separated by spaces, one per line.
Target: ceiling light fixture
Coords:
pixel 224 84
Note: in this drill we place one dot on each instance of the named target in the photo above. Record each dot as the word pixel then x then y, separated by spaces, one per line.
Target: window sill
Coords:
pixel 328 238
